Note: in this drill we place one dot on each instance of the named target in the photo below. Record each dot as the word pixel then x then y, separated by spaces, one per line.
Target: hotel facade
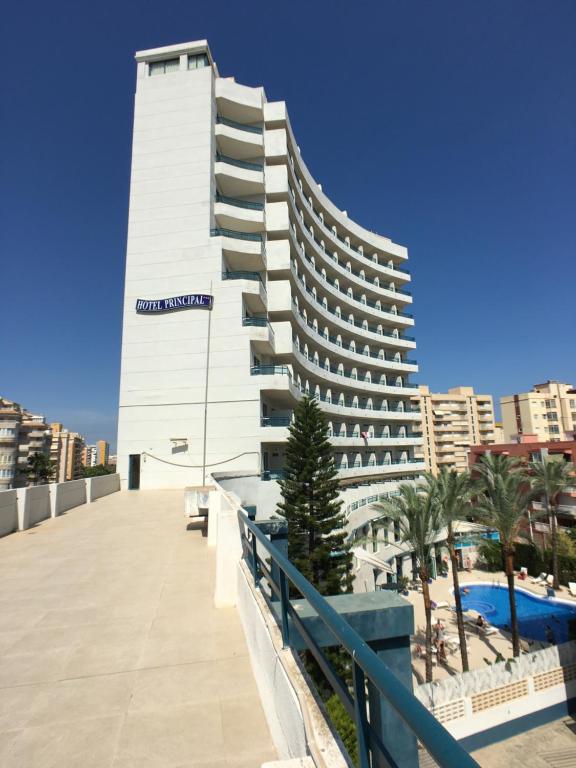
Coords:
pixel 246 288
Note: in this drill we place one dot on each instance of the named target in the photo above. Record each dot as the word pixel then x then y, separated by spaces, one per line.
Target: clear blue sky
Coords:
pixel 449 126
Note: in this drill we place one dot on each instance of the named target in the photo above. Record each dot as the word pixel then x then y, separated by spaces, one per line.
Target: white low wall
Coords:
pixel 33 505
pixel 485 698
pixel 101 486
pixel 8 512
pixel 64 496
pixel 21 508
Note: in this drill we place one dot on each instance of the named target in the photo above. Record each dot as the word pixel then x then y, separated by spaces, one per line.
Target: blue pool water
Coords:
pixel 534 612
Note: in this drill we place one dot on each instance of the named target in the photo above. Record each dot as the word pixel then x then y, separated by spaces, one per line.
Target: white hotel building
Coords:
pixel 304 299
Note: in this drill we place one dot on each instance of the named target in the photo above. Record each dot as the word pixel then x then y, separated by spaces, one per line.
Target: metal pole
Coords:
pixel 206 389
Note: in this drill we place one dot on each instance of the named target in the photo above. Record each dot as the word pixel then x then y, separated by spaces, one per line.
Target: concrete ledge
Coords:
pixel 101 486
pixel 64 496
pixel 33 505
pixel 8 512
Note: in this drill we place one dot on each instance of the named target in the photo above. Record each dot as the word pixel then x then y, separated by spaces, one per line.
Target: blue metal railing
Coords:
pixel 260 322
pixel 239 163
pixel 241 126
pixel 221 232
pixel 275 421
pixel 270 370
pixel 272 474
pixel 241 275
pixel 236 201
pixel 366 665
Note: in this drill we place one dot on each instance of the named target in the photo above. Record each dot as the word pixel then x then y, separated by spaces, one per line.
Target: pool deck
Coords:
pixel 480 648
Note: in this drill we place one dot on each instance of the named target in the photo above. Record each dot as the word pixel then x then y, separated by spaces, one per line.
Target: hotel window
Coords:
pixel 198 61
pixel 6 473
pixel 163 67
pixel 7 432
pixel 553 429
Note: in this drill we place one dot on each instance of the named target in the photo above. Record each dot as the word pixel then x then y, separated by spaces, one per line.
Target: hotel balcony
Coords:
pixel 260 333
pixel 238 214
pixel 371 470
pixel 252 287
pixel 238 139
pixel 238 178
pixel 243 251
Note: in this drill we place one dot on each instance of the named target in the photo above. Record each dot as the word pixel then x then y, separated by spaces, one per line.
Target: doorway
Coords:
pixel 134 472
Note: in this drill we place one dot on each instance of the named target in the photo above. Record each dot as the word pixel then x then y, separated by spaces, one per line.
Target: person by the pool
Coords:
pixel 465 591
pixel 480 622
pixel 550 636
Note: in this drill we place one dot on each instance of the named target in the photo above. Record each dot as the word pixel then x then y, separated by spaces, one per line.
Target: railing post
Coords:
pixel 254 561
pixel 359 684
pixel 284 609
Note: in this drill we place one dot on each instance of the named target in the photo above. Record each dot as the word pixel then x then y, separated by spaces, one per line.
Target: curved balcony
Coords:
pixel 370 241
pixel 238 139
pixel 370 332
pixel 363 261
pixel 252 287
pixel 238 178
pixel 373 469
pixel 243 251
pixel 235 214
pixel 348 380
pixel 334 346
pixel 332 407
pixel 261 334
pixel 240 103
pixel 355 306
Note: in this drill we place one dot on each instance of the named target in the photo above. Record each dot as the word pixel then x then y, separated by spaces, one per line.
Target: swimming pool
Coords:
pixel 534 612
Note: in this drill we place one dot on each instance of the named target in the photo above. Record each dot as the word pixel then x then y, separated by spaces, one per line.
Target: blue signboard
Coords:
pixel 188 301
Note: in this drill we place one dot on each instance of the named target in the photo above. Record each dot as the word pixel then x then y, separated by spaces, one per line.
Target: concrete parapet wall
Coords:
pixel 22 508
pixel 484 698
pixel 8 512
pixel 101 486
pixel 64 496
pixel 33 505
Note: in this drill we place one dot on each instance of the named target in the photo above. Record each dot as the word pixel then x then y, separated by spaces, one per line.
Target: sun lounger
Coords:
pixel 441 604
pixel 550 580
pixel 539 579
pixel 572 588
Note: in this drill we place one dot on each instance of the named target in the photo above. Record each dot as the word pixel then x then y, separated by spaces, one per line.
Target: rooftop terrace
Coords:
pixel 111 652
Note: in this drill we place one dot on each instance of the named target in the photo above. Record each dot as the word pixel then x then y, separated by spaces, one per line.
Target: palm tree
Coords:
pixel 550 479
pixel 453 491
pixel 502 505
pixel 39 468
pixel 419 517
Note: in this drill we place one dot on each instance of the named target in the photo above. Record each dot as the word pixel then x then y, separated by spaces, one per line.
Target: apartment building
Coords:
pixel 451 423
pixel 66 452
pixel 246 288
pixel 22 434
pixel 90 455
pixel 547 412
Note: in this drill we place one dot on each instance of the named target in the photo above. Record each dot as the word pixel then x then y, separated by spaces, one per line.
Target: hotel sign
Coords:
pixel 188 301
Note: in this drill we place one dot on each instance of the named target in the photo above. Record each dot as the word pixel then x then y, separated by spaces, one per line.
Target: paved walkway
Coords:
pixel 111 653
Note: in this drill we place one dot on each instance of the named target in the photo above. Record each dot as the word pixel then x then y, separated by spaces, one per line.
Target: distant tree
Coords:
pixel 40 469
pixel 316 525
pixel 97 471
pixel 549 479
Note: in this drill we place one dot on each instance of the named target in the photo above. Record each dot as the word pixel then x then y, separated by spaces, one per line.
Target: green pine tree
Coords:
pixel 316 535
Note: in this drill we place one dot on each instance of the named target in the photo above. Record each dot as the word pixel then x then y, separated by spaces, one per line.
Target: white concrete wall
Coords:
pixel 170 252
pixel 8 512
pixel 64 496
pixel 22 508
pixel 33 505
pixel 101 486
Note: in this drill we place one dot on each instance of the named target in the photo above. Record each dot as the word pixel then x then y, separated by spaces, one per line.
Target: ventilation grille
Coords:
pixel 497 696
pixel 556 676
pixel 452 710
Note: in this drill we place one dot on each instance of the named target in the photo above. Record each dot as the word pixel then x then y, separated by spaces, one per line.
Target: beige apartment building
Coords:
pixel 66 451
pixel 548 412
pixel 451 423
pixel 22 434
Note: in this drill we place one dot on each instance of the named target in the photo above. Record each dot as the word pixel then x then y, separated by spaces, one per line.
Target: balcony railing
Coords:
pixel 249 166
pixel 255 237
pixel 260 322
pixel 272 474
pixel 240 126
pixel 238 203
pixel 275 421
pixel 367 327
pixel 366 665
pixel 270 370
pixel 383 463
pixel 241 275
